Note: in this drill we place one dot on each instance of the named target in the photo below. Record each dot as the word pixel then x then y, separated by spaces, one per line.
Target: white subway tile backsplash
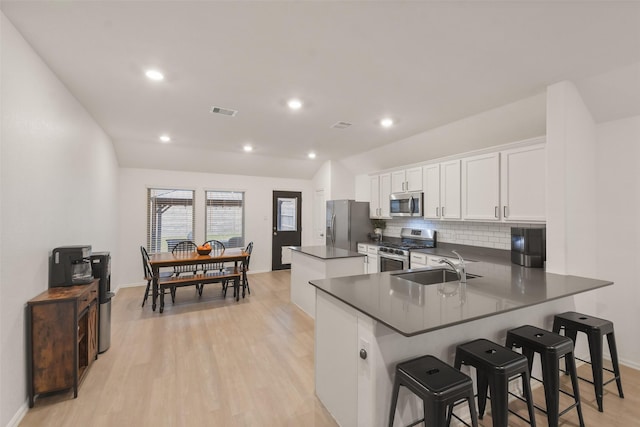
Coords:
pixel 490 235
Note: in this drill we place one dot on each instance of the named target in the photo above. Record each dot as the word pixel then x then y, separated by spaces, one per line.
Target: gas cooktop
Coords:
pixel 411 238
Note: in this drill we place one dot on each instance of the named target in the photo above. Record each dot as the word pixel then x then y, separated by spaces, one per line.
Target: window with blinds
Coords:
pixel 170 218
pixel 224 219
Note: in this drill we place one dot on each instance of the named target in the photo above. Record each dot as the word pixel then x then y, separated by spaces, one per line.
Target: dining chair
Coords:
pixel 184 247
pixel 245 268
pixel 217 248
pixel 244 281
pixel 148 276
pixel 235 242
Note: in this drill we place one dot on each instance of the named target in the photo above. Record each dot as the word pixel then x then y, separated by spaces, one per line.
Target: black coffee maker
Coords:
pixel 528 246
pixel 70 265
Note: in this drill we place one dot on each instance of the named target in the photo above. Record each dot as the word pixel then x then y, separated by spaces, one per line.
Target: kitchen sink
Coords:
pixel 432 277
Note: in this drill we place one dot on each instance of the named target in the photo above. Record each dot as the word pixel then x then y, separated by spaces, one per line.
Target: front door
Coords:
pixel 287 227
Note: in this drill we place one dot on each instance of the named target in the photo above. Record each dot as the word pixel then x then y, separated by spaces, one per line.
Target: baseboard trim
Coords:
pixel 19 415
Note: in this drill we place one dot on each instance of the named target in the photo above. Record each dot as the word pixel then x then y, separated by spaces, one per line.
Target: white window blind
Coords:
pixel 170 218
pixel 224 219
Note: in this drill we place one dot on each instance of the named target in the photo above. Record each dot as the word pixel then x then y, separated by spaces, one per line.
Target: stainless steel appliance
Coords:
pixel 394 253
pixel 406 204
pixel 528 246
pixel 70 265
pixel 101 268
pixel 347 223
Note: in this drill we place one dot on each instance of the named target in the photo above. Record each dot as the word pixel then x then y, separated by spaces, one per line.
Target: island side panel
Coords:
pixel 336 358
pixel 306 267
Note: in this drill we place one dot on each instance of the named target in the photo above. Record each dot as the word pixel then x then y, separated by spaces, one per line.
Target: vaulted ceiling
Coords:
pixel 424 64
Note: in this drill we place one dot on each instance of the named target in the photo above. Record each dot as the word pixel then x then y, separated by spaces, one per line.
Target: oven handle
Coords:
pixel 393 257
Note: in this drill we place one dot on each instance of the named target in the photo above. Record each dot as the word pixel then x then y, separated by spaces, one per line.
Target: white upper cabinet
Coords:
pixel 431 187
pixel 523 175
pixel 450 190
pixel 481 187
pixel 406 180
pixel 380 186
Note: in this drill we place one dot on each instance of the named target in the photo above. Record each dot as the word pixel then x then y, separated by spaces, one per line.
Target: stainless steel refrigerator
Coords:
pixel 347 223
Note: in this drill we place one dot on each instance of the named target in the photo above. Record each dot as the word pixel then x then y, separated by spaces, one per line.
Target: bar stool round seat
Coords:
pixel 551 347
pixel 495 366
pixel 595 329
pixel 440 387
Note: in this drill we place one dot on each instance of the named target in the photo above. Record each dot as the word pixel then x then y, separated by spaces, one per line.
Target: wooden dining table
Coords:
pixel 168 259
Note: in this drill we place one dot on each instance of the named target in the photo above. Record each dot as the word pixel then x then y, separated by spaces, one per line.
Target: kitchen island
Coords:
pixel 319 262
pixel 394 319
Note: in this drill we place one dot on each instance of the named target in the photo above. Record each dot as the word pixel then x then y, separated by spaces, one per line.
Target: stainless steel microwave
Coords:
pixel 405 204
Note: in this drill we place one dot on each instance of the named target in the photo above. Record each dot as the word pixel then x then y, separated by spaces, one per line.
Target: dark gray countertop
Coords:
pixel 411 309
pixel 326 252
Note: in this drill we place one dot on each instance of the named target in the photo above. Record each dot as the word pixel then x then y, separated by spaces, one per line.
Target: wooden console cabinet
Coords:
pixel 62 338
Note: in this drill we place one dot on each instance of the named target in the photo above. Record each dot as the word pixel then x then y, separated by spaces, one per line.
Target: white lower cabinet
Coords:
pixel 417 260
pixel 373 265
pixel 345 354
pixel 371 258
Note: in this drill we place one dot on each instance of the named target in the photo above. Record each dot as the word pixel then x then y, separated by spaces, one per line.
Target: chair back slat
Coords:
pixel 217 249
pixel 184 247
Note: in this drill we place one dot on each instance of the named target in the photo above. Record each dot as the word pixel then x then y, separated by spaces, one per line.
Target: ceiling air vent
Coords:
pixel 224 111
pixel 340 125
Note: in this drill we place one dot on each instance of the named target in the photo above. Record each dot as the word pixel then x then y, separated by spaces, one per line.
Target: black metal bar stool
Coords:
pixel 596 329
pixel 551 347
pixel 440 387
pixel 495 367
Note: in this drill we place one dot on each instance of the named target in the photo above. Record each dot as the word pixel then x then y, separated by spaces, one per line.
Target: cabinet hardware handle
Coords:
pixel 495 212
pixel 363 354
pixel 437 212
pixel 505 211
pixel 442 211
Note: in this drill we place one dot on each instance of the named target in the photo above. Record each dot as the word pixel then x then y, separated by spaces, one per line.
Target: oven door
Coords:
pixel 392 262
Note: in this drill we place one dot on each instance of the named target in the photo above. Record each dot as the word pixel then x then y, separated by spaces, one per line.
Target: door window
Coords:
pixel 287 209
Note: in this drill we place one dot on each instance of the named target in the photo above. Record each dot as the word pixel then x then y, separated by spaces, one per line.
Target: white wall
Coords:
pixel 59 178
pixel 571 178
pixel 618 232
pixel 258 212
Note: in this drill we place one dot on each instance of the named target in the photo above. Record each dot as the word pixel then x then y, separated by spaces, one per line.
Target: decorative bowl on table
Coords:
pixel 203 250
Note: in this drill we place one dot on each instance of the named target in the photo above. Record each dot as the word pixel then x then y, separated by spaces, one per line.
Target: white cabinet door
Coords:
pixel 413 178
pixel 450 190
pixel 385 192
pixel 406 180
pixel 374 203
pixel 523 175
pixel 431 187
pixel 417 260
pixel 398 182
pixel 372 259
pixel 481 187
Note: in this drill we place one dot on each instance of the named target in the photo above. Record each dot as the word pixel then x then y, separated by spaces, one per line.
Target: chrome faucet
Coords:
pixel 459 269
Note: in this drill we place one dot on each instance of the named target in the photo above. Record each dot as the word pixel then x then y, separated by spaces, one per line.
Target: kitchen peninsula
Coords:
pixel 319 262
pixel 366 324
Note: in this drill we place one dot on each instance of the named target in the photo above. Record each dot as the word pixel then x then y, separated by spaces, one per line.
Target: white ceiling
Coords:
pixel 423 63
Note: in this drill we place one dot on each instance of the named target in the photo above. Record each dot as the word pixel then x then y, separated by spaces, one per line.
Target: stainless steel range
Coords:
pixel 394 252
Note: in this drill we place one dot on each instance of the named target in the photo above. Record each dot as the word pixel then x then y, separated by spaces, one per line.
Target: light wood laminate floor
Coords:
pixel 215 362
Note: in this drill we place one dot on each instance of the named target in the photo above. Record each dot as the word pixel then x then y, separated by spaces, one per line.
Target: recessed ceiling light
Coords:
pixel 154 75
pixel 248 148
pixel 386 122
pixel 165 138
pixel 294 104
pixel 311 155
